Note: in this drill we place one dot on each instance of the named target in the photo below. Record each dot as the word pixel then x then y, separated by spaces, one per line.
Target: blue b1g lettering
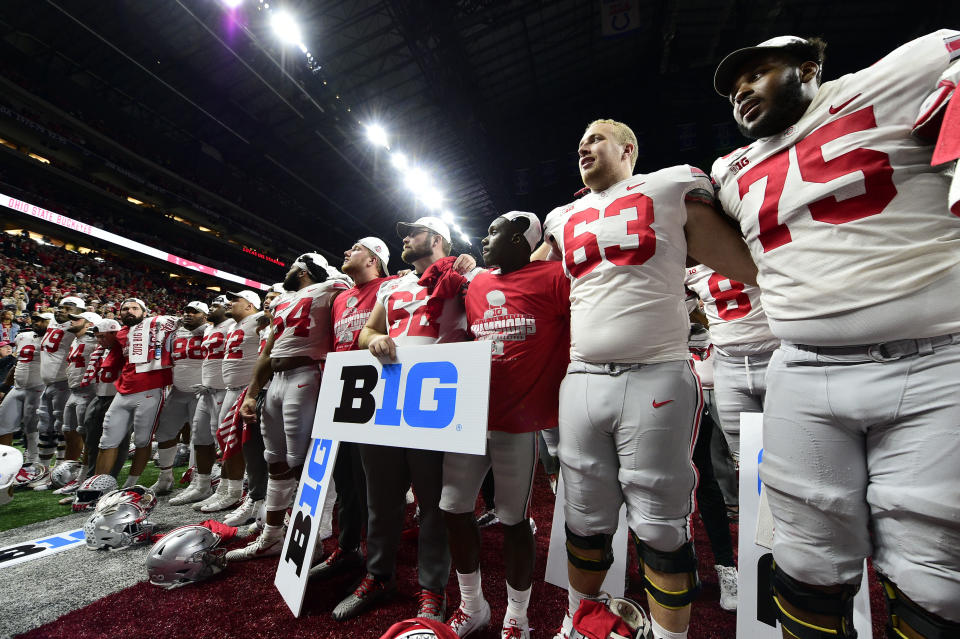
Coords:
pixel 302 524
pixel 358 404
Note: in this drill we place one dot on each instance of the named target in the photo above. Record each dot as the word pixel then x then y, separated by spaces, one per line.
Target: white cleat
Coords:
pixel 163 485
pixel 263 546
pixel 515 629
pixel 192 494
pixel 219 501
pixel 70 487
pixel 728 587
pixel 464 624
pixel 566 628
pixel 245 513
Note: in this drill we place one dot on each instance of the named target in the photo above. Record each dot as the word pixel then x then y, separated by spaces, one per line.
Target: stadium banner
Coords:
pixel 556 572
pixel 293 571
pixel 433 398
pixel 40 548
pixel 88 229
pixel 756 611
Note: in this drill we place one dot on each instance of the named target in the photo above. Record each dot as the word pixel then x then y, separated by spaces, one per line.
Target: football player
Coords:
pixel 859 264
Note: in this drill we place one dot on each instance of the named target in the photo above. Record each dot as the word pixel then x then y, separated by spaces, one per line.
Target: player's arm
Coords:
pixel 464 263
pixel 548 250
pixel 261 374
pixel 374 334
pixel 712 241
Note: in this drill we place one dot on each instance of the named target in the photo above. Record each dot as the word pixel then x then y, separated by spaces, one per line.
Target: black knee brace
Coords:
pixel 902 610
pixel 47 442
pixel 783 587
pixel 577 542
pixel 683 560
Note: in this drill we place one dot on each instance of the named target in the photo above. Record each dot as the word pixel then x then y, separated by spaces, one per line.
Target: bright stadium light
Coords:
pixel 417 180
pixel 447 217
pixel 377 135
pixel 233 4
pixel 465 238
pixel 286 27
pixel 432 197
pixel 399 161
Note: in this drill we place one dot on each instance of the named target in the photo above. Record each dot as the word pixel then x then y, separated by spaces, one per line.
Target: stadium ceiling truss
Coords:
pixel 489 94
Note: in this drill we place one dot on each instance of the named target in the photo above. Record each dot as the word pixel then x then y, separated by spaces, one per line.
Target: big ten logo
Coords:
pixel 309 505
pixel 358 404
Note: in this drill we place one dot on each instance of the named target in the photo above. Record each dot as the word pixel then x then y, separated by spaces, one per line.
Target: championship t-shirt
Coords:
pixel 526 316
pixel 351 310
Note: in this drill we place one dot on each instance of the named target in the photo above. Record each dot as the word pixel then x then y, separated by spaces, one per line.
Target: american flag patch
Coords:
pixel 953 46
pixel 695 172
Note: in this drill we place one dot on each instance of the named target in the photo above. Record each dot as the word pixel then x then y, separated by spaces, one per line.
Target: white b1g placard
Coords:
pixel 433 398
pixel 756 616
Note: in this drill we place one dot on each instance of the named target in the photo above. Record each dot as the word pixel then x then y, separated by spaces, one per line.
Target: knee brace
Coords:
pixel 576 542
pixel 904 611
pixel 280 494
pixel 783 587
pixel 48 442
pixel 683 560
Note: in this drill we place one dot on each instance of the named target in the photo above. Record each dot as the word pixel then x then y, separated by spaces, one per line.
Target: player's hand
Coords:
pixel 464 264
pixel 404 272
pixel 248 410
pixel 384 346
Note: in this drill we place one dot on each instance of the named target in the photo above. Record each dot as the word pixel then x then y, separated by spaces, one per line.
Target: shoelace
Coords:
pixel 367 585
pixel 430 603
pixel 458 619
pixel 512 632
pixel 334 556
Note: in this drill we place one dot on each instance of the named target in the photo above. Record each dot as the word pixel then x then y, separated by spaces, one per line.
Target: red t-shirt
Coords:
pixel 526 314
pixel 350 312
pixel 130 381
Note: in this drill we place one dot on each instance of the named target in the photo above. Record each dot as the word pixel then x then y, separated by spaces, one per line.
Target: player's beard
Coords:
pixel 785 109
pixel 417 251
pixel 291 282
pixel 130 320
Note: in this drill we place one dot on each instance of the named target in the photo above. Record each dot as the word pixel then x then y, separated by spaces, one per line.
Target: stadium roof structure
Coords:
pixel 488 96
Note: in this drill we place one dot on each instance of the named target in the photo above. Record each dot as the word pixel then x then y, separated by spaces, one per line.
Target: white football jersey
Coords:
pixel 301 322
pixel 243 346
pixel 54 348
pixel 407 323
pixel 843 212
pixel 187 355
pixel 214 346
pixel 27 372
pixel 733 308
pixel 625 252
pixel 80 351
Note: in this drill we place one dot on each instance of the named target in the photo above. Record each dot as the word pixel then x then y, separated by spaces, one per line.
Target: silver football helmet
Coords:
pixel 91 490
pixel 64 473
pixel 11 460
pixel 185 555
pixel 139 495
pixel 118 526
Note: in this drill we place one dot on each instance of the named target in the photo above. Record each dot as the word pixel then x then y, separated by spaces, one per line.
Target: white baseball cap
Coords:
pixel 107 326
pixel 135 300
pixel 379 249
pixel 312 261
pixel 724 76
pixel 277 288
pixel 434 224
pixel 46 316
pixel 76 301
pixel 248 295
pixel 534 230
pixel 93 318
pixel 198 306
pixel 219 300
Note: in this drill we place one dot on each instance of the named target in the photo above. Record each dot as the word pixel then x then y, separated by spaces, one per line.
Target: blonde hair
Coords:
pixel 623 135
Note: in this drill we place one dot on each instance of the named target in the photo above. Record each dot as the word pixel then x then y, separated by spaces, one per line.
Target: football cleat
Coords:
pixel 265 545
pixel 70 487
pixel 163 485
pixel 728 587
pixel 338 561
pixel 515 629
pixel 433 605
pixel 220 500
pixel 245 513
pixel 192 494
pixel 366 595
pixel 464 624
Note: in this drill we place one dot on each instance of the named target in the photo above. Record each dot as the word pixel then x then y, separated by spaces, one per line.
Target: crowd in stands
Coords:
pixel 34 277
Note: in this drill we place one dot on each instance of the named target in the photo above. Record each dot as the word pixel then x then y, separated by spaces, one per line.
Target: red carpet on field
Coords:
pixel 242 602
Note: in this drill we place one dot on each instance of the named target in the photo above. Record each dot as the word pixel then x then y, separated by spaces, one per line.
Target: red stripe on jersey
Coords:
pixel 953 46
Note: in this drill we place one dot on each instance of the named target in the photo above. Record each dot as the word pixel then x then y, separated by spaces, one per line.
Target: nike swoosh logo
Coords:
pixel 656 405
pixel 633 186
pixel 302 385
pixel 835 110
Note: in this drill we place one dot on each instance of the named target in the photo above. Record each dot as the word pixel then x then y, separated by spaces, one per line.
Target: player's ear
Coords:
pixel 809 70
pixel 628 150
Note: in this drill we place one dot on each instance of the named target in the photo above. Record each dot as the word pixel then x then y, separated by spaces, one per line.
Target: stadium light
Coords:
pixel 377 135
pixel 417 180
pixel 399 161
pixel 432 197
pixel 286 28
pixel 465 238
pixel 447 217
pixel 232 4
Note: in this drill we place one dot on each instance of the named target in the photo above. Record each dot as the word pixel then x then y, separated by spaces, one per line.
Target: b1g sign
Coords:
pixel 433 397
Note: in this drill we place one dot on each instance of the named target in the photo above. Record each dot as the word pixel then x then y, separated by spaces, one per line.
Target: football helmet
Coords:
pixel 117 526
pixel 91 490
pixel 185 555
pixel 64 473
pixel 142 496
pixel 11 460
pixel 31 473
pixel 419 629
